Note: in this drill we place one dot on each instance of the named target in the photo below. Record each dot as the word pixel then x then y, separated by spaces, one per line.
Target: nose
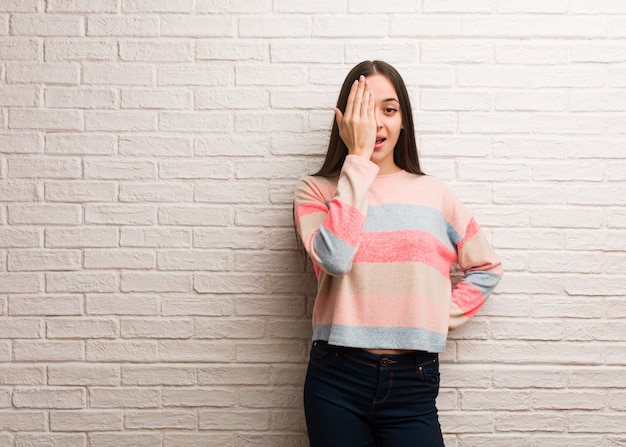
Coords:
pixel 378 118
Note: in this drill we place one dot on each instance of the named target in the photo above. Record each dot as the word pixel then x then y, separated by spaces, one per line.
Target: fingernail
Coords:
pixel 361 77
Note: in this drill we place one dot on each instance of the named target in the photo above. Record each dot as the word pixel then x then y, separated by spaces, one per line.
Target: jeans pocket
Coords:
pixel 322 354
pixel 428 372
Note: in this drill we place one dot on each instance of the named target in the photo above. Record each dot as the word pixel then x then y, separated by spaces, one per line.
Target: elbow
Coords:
pixel 337 267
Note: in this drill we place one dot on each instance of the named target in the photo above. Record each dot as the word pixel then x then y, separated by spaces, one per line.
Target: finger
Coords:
pixel 351 96
pixel 365 103
pixel 338 117
pixel 371 106
pixel 358 97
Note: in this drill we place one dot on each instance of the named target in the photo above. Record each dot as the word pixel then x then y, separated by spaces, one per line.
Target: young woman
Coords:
pixel 383 237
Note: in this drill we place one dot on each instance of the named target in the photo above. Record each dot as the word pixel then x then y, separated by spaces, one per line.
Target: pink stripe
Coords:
pixel 345 222
pixel 309 208
pixel 382 311
pixel 468 298
pixel 471 230
pixel 405 246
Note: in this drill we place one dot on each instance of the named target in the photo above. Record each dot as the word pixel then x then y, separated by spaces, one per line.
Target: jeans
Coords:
pixel 353 398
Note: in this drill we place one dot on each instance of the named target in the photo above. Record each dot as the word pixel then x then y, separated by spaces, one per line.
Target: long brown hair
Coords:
pixel 405 153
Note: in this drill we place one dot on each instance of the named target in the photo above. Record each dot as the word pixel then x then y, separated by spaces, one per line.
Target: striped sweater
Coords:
pixel 382 248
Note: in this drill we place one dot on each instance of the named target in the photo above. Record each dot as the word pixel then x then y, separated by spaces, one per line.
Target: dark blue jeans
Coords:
pixel 353 398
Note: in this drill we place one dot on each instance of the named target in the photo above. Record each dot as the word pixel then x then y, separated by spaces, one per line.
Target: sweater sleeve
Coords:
pixel 482 270
pixel 331 227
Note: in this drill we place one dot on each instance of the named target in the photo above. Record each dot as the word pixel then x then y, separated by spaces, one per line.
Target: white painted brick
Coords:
pixel 19 191
pixel 22 143
pixel 43 260
pixel 89 98
pixel 47 167
pixel 155 282
pixel 124 439
pixel 119 259
pixel 156 237
pixel 198 26
pixel 28 214
pixel 118 74
pixel 73 49
pixel 119 169
pixel 124 398
pixel 20 50
pixel 156 192
pixel 81 237
pixel 424 26
pixel 195 351
pixel 156 99
pixel 455 100
pixel 394 53
pixel 127 304
pixel 160 419
pixel 94 6
pixel 198 397
pixel 145 50
pixel 532 6
pixel 20 6
pixel 47 25
pixel 132 25
pixel 265 26
pixel 157 328
pixel 58 398
pixel 120 214
pixel 270 75
pixel 194 121
pixel 22 421
pixel 234 6
pixel 21 328
pixel 77 144
pixel 579 76
pixel 341 26
pixel 45 305
pixel 541 26
pixel 44 351
pixel 532 101
pixel 252 419
pixel 85 420
pixel 180 260
pixel 227 192
pixel 132 121
pixel 80 282
pixel 194 75
pixel 601 6
pixel 438 52
pixel 231 49
pixel 195 215
pixel 296 52
pixel 303 6
pixel 18 96
pixel 199 169
pixel 145 146
pixel 448 6
pixel 80 191
pixel 53 120
pixel 121 351
pixel 147 375
pixel 494 76
pixel 232 98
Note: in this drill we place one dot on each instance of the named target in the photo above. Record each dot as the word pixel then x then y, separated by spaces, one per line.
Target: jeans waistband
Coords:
pixel 414 358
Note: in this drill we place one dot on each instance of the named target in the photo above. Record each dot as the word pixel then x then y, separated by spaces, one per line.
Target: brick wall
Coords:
pixel 151 294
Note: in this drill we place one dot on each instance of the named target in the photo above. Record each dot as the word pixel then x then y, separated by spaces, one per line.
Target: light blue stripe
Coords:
pixel 335 255
pixel 399 217
pixel 381 337
pixel 483 281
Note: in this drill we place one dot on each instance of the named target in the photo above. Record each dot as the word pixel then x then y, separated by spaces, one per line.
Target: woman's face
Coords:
pixel 388 122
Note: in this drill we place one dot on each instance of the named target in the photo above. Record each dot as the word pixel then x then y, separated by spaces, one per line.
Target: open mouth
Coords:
pixel 379 142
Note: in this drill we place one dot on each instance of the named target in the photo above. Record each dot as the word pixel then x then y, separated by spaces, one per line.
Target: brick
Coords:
pixel 287 26
pixel 88 98
pixel 180 260
pixel 197 26
pixel 75 49
pixel 233 375
pixel 157 328
pixel 126 304
pixel 43 260
pixel 80 191
pixel 57 398
pixel 220 328
pixel 82 328
pixel 20 305
pixel 50 439
pixel 194 75
pixel 22 375
pixel 119 259
pixel 125 439
pixel 92 6
pixel 124 397
pixel 160 419
pixel 145 375
pixel 208 439
pixel 47 167
pixel 237 6
pixel 104 73
pixel 20 6
pixel 197 305
pixel 21 144
pixel 46 25
pixel 156 192
pixel 22 421
pixel 232 98
pixel 122 121
pixel 230 49
pixel 253 420
pixel 81 237
pixel 85 420
pixel 20 283
pixel 81 282
pixel 75 374
pixel 156 237
pixel 156 282
pixel 121 351
pixel 134 6
pixel 53 120
pixel 135 25
pixel 195 351
pixel 199 215
pixel 42 351
pixel 18 96
pixel 156 99
pixel 194 122
pixel 22 238
pixel 80 144
pixel 19 49
pixel 155 146
pixel 120 214
pixel 199 397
